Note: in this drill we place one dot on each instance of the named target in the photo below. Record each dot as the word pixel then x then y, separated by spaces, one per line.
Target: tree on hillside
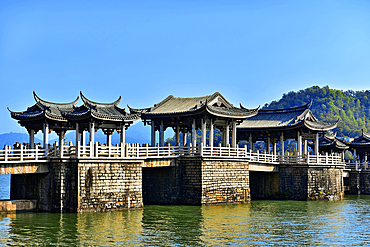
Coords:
pixel 351 108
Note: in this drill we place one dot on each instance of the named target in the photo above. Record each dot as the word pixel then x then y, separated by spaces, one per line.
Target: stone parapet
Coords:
pixel 18 205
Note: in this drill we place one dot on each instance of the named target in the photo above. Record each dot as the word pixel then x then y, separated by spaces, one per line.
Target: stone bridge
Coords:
pixel 96 178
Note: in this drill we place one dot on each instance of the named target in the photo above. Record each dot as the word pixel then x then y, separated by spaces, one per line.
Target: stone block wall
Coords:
pixel 359 182
pixel 328 181
pixel 178 184
pixel 225 181
pixel 365 182
pixel 190 180
pixel 64 186
pixel 293 182
pixel 109 186
pixel 212 181
pixel 305 183
pixel 196 181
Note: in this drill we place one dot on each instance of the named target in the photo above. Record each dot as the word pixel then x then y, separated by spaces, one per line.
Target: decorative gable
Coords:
pixel 219 102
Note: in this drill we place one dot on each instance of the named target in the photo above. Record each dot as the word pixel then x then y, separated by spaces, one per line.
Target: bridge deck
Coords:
pixel 22 158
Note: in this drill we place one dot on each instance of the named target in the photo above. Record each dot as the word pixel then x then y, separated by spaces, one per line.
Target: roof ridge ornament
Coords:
pixel 43 102
pixel 309 104
pixel 292 109
pixel 245 108
pixel 91 103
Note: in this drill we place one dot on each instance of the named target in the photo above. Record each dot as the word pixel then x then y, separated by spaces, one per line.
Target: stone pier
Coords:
pixel 73 185
pixel 298 182
pixel 358 182
pixel 197 181
pixel 77 186
pixel 89 185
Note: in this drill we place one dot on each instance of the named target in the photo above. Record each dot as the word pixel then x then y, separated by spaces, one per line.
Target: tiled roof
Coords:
pixel 238 112
pixel 45 109
pixel 174 104
pixel 332 142
pixel 215 104
pixel 104 111
pixel 363 140
pixel 281 118
pixel 320 125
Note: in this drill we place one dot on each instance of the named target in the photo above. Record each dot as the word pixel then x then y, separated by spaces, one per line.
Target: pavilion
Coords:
pixel 360 146
pixel 45 116
pixel 92 116
pixel 60 117
pixel 331 143
pixel 293 123
pixel 192 113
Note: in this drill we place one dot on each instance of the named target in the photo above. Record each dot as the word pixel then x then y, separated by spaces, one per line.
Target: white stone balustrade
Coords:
pixel 134 151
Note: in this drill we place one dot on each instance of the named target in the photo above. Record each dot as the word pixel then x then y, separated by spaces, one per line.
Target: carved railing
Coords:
pixel 134 151
pixel 22 154
pixel 351 165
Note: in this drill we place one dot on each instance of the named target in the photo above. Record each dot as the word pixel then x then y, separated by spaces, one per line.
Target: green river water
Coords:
pixel 259 223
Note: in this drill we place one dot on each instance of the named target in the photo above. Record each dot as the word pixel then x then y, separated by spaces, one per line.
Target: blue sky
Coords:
pixel 250 51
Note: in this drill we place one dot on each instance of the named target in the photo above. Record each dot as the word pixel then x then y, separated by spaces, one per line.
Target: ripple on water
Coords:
pixel 288 223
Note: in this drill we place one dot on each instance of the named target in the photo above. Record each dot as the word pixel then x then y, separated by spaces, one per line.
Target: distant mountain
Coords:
pixel 11 138
pixel 351 108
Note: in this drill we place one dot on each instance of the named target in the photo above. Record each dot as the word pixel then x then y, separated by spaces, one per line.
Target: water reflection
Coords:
pixel 258 223
pixel 172 225
pixel 109 228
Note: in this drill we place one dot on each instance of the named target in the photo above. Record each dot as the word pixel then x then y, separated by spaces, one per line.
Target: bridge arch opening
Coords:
pixel 264 185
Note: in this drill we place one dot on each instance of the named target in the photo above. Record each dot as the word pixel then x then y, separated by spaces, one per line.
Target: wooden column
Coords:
pixel 193 134
pixel 152 134
pixel 32 138
pixel 211 133
pixel 177 136
pixel 365 157
pixel 83 138
pixel 184 135
pixel 123 134
pixel 305 150
pixel 61 143
pixel 251 141
pixel 77 133
pixel 108 133
pixel 274 146
pixel 61 135
pixel 299 143
pixel 46 135
pixel 92 132
pixel 204 132
pixel 161 134
pixel 268 145
pixel 227 135
pixel 233 137
pixel 282 144
pixel 317 143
